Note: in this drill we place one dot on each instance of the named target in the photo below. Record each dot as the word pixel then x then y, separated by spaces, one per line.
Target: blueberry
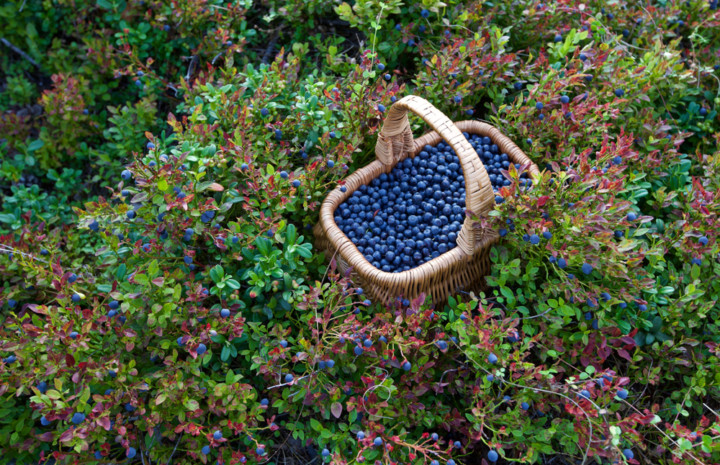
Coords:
pixel 492 358
pixel 387 77
pixel 534 239
pixel 562 263
pixel 407 366
pixel 360 435
pixel 325 452
pixel 622 394
pixel 217 435
pixel 378 442
pixel 587 268
pixel 278 134
pixel 131 214
pixel 585 394
pixel 539 105
pixel 525 406
pixel 76 298
pixel 425 13
pixel 558 38
pixel 434 437
pixel 564 99
pixel 224 313
pixel 628 454
pixel 264 112
pixel 126 175
pixel 264 402
pixel 42 387
pixel 703 240
pixel 619 92
pixel 493 456
pixel 131 452
pixel 260 450
pixel 78 418
pixel 201 349
pixel 205 450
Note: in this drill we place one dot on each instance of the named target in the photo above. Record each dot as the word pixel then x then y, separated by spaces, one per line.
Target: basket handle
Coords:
pixel 396 139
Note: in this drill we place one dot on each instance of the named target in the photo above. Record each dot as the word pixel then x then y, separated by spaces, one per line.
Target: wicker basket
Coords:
pixel 461 268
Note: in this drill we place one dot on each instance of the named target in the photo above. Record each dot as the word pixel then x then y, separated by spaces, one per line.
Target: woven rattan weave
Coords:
pixel 461 268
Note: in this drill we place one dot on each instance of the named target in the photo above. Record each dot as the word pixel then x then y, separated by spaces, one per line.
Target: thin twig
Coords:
pixel 176 446
pixel 271 46
pixel 19 52
pixel 191 67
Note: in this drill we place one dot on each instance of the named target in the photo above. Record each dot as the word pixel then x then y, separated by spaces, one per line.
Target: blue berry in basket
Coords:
pixel 414 213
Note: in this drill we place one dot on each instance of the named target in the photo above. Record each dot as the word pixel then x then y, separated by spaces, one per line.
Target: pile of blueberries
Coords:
pixel 414 214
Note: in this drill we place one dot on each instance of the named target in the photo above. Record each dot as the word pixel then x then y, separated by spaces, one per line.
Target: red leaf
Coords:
pixel 69 360
pixel 45 437
pixel 542 200
pixel 104 422
pixel 336 409
pixel 624 354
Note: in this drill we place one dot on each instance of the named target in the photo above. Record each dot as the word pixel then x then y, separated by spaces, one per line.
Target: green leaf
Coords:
pixel 35 145
pixel 290 235
pixel 315 425
pixel 217 273
pixel 191 404
pixel 153 268
pixel 120 272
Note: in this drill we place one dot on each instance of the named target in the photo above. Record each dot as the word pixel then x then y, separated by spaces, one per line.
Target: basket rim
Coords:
pixel 371 171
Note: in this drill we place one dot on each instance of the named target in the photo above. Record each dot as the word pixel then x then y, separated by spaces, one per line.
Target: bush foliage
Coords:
pixel 162 300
